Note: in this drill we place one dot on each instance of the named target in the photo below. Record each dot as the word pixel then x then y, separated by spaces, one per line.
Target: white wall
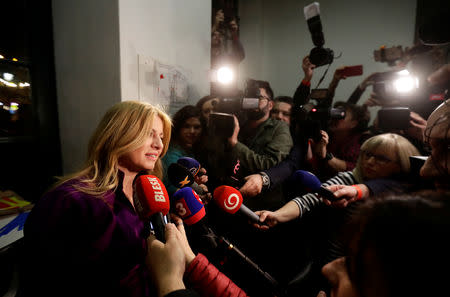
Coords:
pixel 86 40
pixel 96 48
pixel 175 32
pixel 276 38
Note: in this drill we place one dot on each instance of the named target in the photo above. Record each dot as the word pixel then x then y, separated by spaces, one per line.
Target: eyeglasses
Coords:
pixel 264 97
pixel 380 159
pixel 285 113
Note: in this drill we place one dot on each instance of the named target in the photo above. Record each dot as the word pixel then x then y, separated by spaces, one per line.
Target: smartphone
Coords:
pixel 351 70
pixel 393 118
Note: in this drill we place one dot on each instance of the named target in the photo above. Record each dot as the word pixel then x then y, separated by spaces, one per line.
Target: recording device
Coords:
pixel 313 184
pixel 319 55
pixel 315 117
pixel 394 118
pixel 151 202
pixel 181 177
pixel 389 55
pixel 230 200
pixel 396 85
pixel 348 71
pixel 221 119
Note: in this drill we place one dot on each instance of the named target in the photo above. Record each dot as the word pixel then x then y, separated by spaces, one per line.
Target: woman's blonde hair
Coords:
pixel 390 141
pixel 123 128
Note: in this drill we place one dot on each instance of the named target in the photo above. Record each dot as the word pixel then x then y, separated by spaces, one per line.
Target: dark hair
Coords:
pixel 285 99
pixel 359 114
pixel 204 99
pixel 265 85
pixel 407 236
pixel 182 115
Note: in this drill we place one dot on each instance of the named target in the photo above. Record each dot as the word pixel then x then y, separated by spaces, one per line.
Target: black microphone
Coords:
pixel 189 206
pixel 313 184
pixel 181 177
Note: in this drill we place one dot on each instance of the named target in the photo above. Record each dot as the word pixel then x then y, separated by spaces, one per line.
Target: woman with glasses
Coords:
pixel 384 158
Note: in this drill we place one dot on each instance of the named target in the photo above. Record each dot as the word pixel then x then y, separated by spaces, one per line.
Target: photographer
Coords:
pixel 340 151
pixel 260 143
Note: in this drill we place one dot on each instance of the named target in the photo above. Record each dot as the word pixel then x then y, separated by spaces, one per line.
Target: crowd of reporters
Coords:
pixel 356 233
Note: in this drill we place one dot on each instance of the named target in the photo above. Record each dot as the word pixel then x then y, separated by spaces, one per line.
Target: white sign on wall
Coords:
pixel 162 84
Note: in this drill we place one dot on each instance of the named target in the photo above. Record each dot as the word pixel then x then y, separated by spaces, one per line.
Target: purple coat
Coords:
pixel 77 244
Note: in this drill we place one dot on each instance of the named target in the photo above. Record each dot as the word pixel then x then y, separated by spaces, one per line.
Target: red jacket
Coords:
pixel 207 280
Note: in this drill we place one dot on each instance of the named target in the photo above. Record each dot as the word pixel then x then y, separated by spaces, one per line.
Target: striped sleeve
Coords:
pixel 308 201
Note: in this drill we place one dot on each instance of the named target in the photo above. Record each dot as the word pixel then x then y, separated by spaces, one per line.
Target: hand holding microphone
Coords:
pixel 151 202
pixel 346 194
pixel 166 262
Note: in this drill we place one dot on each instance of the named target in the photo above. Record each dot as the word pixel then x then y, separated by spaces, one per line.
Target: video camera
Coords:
pixel 221 119
pixel 405 88
pixel 319 55
pixel 315 117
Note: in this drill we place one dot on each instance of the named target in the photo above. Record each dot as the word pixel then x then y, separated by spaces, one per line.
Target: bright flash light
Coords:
pixel 225 75
pixel 406 84
pixel 8 76
pixel 403 72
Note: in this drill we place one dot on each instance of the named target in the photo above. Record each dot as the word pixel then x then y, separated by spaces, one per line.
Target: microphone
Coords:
pixel 191 209
pixel 189 206
pixel 313 184
pixel 230 200
pixel 191 164
pixel 181 177
pixel 151 202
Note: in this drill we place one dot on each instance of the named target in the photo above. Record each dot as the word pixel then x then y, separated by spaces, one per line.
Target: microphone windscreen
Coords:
pixel 191 164
pixel 228 198
pixel 188 205
pixel 307 179
pixel 150 196
pixel 179 175
pixel 313 184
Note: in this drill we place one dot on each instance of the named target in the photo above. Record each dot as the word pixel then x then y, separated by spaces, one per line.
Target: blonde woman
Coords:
pixel 83 237
pixel 382 156
pixel 383 159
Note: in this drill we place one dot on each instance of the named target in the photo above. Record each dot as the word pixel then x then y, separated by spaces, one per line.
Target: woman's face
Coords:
pixel 379 163
pixel 220 16
pixel 145 157
pixel 190 132
pixel 216 38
